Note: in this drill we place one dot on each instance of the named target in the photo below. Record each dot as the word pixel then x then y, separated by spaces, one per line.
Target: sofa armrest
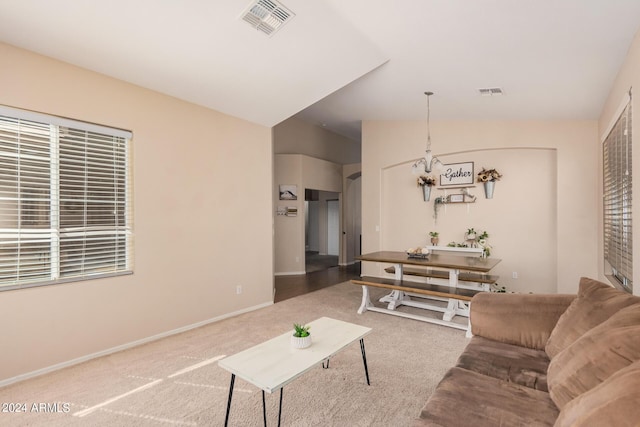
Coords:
pixel 521 319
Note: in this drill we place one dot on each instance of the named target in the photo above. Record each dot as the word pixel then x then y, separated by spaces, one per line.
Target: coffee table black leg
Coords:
pixel 280 409
pixel 364 360
pixel 226 417
pixel 264 409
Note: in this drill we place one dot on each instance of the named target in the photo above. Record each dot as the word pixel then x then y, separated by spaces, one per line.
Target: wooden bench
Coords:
pixel 440 291
pixel 443 274
pixel 457 299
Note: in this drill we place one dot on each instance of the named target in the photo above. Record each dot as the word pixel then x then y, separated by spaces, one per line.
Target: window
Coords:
pixel 65 200
pixel 618 248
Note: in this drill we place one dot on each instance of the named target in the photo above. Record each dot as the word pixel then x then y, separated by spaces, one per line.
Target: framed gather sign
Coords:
pixel 457 174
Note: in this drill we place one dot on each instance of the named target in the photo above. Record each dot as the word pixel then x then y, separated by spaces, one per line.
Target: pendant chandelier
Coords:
pixel 428 162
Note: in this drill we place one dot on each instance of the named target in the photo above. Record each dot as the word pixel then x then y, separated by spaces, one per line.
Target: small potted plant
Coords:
pixel 426 182
pixel 471 234
pixel 301 336
pixel 434 237
pixel 482 243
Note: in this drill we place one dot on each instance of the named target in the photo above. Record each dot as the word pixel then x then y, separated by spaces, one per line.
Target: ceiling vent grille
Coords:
pixel 267 16
pixel 490 91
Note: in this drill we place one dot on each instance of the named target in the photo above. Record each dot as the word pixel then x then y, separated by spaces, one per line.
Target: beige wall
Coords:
pixel 288 233
pixel 542 220
pixel 202 195
pixel 628 77
pixel 293 136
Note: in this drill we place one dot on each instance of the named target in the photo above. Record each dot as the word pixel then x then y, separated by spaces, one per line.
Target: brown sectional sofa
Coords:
pixel 545 360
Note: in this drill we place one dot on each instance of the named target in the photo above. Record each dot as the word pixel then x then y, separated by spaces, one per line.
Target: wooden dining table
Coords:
pixel 453 263
pixel 405 292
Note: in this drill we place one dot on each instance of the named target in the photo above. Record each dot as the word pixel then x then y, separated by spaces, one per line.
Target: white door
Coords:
pixel 333 227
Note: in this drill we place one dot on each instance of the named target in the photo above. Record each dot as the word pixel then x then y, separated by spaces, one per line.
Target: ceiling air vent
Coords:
pixel 267 16
pixel 490 91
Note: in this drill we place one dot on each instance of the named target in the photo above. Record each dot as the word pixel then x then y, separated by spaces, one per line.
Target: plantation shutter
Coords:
pixel 617 168
pixel 65 202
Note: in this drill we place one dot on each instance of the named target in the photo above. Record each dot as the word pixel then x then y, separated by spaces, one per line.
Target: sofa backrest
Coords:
pixel 596 302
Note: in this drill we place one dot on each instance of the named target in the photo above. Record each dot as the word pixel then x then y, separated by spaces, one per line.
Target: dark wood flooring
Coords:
pixel 292 286
pixel 314 261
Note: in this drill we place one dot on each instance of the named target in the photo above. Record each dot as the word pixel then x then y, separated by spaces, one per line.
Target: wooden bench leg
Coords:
pixel 395 299
pixel 451 310
pixel 469 334
pixel 455 308
pixel 463 309
pixel 366 300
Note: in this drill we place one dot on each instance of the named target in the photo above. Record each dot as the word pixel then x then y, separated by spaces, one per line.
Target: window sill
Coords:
pixel 61 281
pixel 616 284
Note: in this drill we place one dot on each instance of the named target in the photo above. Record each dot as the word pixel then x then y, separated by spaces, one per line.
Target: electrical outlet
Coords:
pixel 238 290
pixel 514 275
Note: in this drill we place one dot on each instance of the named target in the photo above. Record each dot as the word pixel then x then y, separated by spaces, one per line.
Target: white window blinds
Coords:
pixel 618 248
pixel 65 200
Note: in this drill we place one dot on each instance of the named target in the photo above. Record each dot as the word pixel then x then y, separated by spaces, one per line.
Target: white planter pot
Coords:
pixel 300 342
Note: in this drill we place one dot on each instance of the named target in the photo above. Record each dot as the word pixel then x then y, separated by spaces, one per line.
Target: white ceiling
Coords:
pixel 338 62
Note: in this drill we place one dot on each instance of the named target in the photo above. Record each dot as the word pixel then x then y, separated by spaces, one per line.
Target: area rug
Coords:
pixel 176 381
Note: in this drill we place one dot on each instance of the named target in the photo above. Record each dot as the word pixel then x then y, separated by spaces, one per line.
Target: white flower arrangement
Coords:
pixel 428 180
pixel 486 175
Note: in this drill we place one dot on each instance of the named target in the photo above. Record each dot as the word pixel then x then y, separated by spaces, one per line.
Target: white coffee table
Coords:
pixel 274 363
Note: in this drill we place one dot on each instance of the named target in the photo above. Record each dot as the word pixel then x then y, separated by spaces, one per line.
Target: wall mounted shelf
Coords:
pixel 457 188
pixel 449 202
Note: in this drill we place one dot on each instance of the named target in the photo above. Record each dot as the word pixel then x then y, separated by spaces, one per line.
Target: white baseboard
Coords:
pixel 126 346
pixel 291 273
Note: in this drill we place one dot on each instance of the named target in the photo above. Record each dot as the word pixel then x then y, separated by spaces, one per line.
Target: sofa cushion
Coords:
pixel 595 356
pixel 508 362
pixel 612 403
pixel 596 302
pixel 521 319
pixel 467 398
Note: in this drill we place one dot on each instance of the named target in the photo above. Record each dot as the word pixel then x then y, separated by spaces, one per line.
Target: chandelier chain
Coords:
pixel 428 162
pixel 428 120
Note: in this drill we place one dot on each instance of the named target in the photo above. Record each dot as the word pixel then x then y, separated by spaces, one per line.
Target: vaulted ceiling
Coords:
pixel 338 62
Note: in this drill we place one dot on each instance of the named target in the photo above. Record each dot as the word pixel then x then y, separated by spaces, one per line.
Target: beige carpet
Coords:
pixel 176 382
